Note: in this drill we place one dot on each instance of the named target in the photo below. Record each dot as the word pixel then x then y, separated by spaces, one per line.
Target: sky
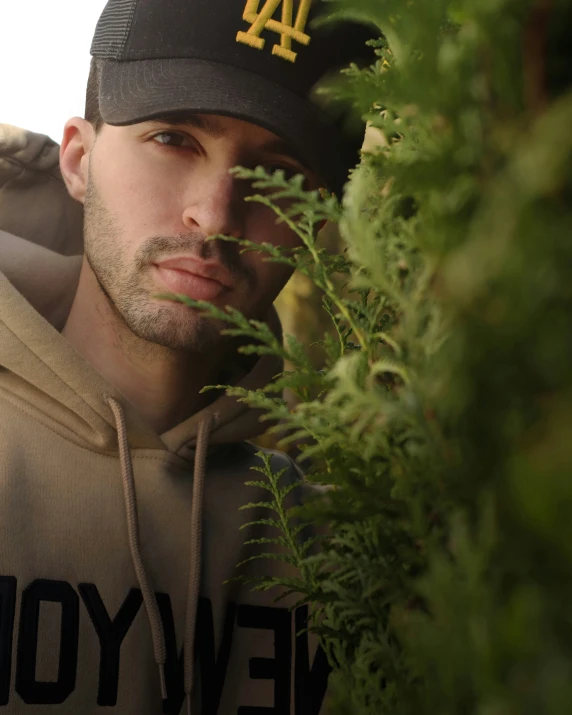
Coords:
pixel 44 61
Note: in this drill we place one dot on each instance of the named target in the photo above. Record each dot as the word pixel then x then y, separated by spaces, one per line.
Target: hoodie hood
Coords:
pixel 37 287
pixel 34 202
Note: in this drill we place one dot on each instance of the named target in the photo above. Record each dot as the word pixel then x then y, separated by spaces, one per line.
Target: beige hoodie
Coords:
pixel 117 542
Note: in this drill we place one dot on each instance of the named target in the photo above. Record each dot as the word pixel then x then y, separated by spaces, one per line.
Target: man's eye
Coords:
pixel 173 139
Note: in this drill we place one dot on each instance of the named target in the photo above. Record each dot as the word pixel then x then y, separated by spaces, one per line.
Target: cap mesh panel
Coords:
pixel 113 29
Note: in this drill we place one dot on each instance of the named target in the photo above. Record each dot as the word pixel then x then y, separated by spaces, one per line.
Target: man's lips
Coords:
pixel 203 269
pixel 197 280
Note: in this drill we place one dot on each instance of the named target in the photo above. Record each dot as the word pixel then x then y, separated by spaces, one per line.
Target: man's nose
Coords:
pixel 215 204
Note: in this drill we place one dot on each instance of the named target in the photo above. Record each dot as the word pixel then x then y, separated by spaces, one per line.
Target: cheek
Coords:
pixel 140 196
pixel 262 227
pixel 271 277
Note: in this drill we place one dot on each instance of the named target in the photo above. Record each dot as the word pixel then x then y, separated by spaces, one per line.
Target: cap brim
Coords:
pixel 136 91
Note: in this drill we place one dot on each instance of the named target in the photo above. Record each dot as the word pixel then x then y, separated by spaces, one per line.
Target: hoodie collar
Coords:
pixel 37 287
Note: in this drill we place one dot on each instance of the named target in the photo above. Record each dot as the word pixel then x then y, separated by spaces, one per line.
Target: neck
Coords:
pixel 161 383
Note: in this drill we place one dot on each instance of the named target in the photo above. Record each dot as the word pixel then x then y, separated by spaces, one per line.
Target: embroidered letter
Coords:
pixel 278 668
pixel 31 690
pixel 111 634
pixel 262 20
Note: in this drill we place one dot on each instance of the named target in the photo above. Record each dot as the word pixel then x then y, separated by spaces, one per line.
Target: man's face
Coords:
pixel 156 190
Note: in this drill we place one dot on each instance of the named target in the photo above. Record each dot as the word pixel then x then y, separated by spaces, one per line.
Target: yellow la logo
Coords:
pixel 262 20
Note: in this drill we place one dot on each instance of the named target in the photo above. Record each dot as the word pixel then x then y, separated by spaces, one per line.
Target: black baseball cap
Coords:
pixel 257 60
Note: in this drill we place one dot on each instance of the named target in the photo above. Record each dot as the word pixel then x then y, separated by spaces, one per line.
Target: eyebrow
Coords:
pixel 212 129
pixel 194 120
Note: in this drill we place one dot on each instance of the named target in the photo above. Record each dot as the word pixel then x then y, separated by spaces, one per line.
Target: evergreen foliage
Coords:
pixel 441 417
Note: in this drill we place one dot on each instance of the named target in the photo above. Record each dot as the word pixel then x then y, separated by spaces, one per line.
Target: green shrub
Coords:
pixel 441 417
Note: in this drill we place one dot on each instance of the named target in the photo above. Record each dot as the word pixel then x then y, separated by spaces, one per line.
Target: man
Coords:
pixel 121 483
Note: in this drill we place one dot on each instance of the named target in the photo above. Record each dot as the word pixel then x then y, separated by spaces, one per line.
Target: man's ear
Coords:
pixel 78 139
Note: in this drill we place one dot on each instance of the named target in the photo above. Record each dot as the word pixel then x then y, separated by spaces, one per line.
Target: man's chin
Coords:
pixel 178 328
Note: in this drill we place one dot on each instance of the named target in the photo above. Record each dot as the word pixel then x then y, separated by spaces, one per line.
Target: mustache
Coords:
pixel 194 244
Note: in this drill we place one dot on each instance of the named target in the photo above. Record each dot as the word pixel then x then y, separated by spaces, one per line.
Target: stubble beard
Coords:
pixel 128 286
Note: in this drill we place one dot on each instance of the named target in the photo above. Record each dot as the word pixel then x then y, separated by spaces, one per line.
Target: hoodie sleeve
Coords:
pixel 34 201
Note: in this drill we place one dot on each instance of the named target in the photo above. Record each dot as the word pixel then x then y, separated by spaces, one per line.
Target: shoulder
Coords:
pixel 286 475
pixel 269 467
pixel 34 201
pixel 278 461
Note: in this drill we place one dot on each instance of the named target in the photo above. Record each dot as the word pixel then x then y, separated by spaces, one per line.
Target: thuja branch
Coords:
pixel 315 209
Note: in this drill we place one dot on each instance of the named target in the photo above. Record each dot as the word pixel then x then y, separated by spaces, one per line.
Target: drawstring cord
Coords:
pixel 195 557
pixel 149 598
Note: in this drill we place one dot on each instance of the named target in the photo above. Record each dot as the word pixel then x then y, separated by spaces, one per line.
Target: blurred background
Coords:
pixel 44 62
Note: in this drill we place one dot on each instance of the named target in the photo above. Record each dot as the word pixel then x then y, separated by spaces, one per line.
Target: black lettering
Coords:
pixel 111 634
pixel 174 665
pixel 212 669
pixel 309 685
pixel 7 611
pixel 30 690
pixel 278 668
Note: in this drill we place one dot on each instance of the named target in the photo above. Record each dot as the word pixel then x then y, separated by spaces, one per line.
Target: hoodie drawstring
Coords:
pixel 149 598
pixel 195 557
